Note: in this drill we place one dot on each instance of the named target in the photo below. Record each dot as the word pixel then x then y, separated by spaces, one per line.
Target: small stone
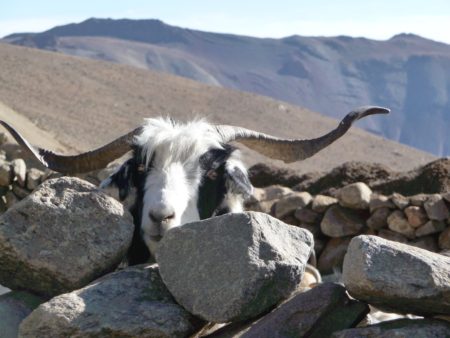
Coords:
pixel 288 204
pixel 34 178
pixel 436 208
pixel 20 192
pixel 378 201
pixel 19 169
pixel 5 174
pixel 378 220
pixel 416 216
pixel 392 236
pixel 431 227
pixel 355 196
pixel 397 277
pixel 444 239
pixel 333 254
pixel 429 243
pixel 305 215
pixel 418 200
pixel 397 222
pixel 400 201
pixel 321 203
pixel 340 222
pixel 275 192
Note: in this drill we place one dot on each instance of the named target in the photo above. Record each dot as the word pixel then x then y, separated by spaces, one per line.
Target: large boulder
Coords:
pixel 129 303
pixel 398 277
pixel 62 236
pixel 233 267
pixel 400 328
pixel 316 313
pixel 14 307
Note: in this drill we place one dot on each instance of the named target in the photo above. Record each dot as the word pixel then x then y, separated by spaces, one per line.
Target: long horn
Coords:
pixel 291 150
pixel 72 164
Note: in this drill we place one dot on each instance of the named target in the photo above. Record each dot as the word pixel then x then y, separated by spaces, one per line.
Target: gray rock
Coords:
pixel 34 177
pixel 431 227
pixel 19 170
pixel 400 201
pixel 400 328
pixel 309 216
pixel 3 290
pixel 333 255
pixel 316 313
pixel 378 219
pixel 275 192
pixel 355 196
pixel 233 267
pixel 129 303
pixel 288 204
pixel 5 174
pixel 378 201
pixel 14 307
pixel 397 222
pixel 436 208
pixel 78 233
pixel 321 203
pixel 416 216
pixel 418 200
pixel 397 277
pixel 340 222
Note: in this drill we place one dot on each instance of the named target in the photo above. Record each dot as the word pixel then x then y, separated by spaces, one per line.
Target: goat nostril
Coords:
pixel 169 217
pixel 159 218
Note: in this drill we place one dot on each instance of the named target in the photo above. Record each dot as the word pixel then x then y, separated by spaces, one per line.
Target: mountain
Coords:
pixel 407 73
pixel 85 103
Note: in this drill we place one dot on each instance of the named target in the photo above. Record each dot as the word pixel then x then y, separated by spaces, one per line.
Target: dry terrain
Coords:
pixel 84 103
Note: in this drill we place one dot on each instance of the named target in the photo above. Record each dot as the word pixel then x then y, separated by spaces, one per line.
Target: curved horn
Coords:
pixel 85 162
pixel 291 150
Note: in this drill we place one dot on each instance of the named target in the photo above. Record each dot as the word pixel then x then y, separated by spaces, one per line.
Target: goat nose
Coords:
pixel 161 216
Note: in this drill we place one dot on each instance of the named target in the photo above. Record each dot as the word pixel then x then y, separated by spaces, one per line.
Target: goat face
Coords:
pixel 179 174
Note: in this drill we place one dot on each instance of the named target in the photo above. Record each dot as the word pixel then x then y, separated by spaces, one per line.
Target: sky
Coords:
pixel 378 20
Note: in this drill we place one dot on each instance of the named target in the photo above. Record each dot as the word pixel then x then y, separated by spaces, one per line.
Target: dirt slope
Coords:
pixel 85 103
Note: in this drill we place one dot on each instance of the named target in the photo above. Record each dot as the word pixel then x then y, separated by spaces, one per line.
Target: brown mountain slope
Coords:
pixel 86 103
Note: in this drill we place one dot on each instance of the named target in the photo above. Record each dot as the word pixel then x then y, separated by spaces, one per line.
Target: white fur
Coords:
pixel 173 181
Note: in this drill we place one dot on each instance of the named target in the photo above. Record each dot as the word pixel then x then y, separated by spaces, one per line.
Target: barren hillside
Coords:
pixel 85 103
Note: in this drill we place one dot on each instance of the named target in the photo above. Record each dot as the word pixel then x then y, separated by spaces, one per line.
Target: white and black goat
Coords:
pixel 180 173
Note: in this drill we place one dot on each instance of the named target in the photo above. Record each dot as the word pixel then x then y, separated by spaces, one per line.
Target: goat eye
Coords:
pixel 212 174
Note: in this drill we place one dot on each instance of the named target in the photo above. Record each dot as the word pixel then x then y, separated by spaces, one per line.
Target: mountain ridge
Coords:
pixel 86 103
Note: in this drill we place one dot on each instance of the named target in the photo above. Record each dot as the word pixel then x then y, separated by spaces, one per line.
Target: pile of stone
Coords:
pixel 237 275
pixel 421 220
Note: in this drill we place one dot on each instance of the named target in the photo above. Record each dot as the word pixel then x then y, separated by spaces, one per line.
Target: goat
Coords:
pixel 180 173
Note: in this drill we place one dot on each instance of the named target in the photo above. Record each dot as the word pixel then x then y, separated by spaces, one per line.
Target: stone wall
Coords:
pixel 421 220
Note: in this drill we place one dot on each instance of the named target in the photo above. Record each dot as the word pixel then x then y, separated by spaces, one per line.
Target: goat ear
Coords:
pixel 121 179
pixel 237 180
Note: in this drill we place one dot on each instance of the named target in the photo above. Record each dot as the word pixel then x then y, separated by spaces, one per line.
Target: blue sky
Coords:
pixel 373 19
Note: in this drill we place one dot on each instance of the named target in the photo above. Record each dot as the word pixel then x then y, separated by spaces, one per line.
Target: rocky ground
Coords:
pixel 382 258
